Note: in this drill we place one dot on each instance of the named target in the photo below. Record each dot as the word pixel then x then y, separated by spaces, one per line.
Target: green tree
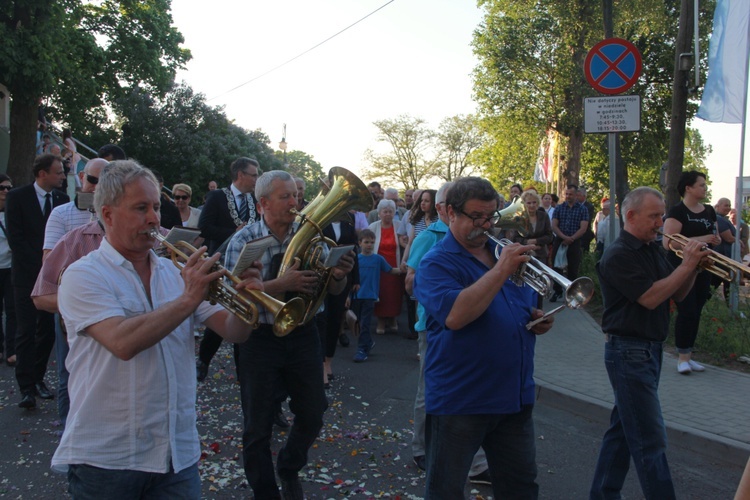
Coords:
pixel 306 167
pixel 411 156
pixel 508 158
pixel 81 56
pixel 531 57
pixel 458 138
pixel 186 139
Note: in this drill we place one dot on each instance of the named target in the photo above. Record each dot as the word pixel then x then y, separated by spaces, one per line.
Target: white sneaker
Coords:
pixel 696 367
pixel 684 367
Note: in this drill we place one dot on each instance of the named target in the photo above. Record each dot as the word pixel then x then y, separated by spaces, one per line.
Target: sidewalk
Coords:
pixel 708 412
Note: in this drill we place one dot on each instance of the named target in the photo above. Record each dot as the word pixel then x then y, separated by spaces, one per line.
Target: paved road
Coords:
pixel 364 450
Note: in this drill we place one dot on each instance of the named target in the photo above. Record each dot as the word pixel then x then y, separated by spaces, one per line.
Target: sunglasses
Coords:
pixel 181 197
pixel 91 179
pixel 5 188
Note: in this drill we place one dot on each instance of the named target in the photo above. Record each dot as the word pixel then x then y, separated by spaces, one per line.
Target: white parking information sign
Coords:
pixel 620 113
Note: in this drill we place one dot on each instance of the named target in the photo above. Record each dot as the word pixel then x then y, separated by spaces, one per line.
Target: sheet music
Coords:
pixel 182 234
pixel 252 251
pixel 335 255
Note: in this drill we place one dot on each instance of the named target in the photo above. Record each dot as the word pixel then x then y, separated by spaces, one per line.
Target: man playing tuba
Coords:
pixel 267 361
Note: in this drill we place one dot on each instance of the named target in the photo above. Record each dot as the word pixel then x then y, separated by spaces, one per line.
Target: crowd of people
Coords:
pixel 81 277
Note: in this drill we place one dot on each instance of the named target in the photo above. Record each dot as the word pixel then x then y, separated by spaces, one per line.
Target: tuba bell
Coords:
pixel 514 216
pixel 344 192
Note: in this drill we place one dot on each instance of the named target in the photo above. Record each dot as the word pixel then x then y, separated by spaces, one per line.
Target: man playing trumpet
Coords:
pixel 479 366
pixel 637 282
pixel 131 430
pixel 293 362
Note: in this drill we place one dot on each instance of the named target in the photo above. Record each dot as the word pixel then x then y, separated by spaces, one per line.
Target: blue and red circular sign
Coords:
pixel 613 66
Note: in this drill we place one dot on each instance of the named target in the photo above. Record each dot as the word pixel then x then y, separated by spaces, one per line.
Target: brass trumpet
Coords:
pixel 241 303
pixel 715 263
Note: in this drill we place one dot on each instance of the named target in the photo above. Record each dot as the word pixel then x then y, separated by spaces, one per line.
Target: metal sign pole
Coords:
pixel 612 140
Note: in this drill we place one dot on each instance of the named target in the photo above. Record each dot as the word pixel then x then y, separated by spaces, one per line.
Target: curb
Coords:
pixel 709 445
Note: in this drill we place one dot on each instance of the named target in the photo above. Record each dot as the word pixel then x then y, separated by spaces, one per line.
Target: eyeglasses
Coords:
pixel 91 179
pixel 249 173
pixel 481 220
pixel 5 188
pixel 181 197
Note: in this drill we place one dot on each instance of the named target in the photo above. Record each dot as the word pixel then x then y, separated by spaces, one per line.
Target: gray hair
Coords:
pixel 635 198
pixel 264 185
pixel 113 180
pixel 392 192
pixel 94 162
pixel 386 204
pixel 442 193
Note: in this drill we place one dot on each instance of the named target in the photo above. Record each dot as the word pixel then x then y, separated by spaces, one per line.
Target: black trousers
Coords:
pixel 7 303
pixel 34 340
pixel 210 344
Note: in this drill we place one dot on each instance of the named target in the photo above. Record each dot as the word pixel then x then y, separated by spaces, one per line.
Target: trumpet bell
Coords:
pixel 579 292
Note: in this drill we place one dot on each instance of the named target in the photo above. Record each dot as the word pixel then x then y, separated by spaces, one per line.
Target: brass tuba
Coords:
pixel 514 216
pixel 344 192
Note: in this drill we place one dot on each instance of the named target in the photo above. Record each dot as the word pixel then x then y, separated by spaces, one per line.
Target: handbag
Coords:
pixel 561 257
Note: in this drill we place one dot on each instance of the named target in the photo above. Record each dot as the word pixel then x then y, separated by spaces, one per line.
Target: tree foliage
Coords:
pixel 186 139
pixel 303 165
pixel 530 78
pixel 411 156
pixel 81 56
pixel 416 153
pixel 458 139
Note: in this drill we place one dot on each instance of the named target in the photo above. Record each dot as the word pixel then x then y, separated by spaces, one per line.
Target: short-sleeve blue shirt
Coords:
pixel 486 367
pixel 370 267
pixel 419 247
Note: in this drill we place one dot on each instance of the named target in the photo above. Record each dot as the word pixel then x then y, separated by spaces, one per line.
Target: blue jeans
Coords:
pixel 267 365
pixel 86 482
pixel 363 308
pixel 508 441
pixel 61 353
pixel 636 425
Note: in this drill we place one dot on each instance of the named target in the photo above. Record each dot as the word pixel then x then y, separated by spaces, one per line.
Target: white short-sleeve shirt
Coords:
pixel 137 414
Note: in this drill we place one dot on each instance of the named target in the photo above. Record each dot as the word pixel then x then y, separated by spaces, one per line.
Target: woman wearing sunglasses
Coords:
pixel 182 194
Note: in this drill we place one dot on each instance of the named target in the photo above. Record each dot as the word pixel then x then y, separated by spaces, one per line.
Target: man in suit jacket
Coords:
pixel 27 210
pixel 222 215
pixel 226 211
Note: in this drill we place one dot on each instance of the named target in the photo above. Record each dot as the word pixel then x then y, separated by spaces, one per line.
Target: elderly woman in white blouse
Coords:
pixel 388 245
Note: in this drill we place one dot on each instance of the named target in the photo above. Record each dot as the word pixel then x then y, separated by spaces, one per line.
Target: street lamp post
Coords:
pixel 283 145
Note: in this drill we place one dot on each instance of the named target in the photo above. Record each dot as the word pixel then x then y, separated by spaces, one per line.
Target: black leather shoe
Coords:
pixel 42 391
pixel 201 370
pixel 420 462
pixel 280 421
pixel 291 489
pixel 344 340
pixel 28 401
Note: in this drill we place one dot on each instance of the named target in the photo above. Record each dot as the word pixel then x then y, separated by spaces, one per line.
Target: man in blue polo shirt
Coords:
pixel 569 223
pixel 479 386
